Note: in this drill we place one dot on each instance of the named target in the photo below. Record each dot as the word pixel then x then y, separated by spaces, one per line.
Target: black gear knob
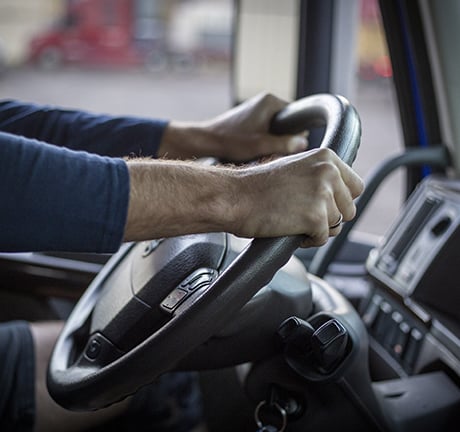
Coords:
pixel 329 343
pixel 314 350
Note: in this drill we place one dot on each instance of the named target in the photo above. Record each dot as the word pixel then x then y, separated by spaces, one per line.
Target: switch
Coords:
pixel 174 298
pixel 414 343
pixel 393 323
pixel 399 342
pixel 381 322
pixel 372 311
pixel 93 349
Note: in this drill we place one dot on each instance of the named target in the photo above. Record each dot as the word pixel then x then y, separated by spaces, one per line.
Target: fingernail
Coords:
pixel 297 144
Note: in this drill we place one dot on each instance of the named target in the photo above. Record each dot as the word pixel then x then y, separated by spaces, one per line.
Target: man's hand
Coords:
pixel 240 134
pixel 298 194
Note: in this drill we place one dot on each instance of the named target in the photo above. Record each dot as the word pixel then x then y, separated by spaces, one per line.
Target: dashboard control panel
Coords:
pixel 419 259
pixel 413 307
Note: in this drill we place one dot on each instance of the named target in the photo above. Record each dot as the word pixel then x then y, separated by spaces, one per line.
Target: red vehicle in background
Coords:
pixel 107 32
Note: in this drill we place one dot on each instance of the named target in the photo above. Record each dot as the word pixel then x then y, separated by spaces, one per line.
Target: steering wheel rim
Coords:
pixel 89 386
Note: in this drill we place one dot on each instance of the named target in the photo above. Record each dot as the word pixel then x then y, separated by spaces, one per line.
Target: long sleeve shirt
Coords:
pixel 63 184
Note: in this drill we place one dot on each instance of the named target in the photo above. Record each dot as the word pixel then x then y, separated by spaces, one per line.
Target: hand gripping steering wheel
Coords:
pixel 154 302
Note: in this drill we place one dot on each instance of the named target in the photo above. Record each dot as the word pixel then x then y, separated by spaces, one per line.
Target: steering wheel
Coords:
pixel 154 302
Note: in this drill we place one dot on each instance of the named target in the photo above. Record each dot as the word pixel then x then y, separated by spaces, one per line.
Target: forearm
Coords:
pixel 57 199
pixel 78 130
pixel 177 198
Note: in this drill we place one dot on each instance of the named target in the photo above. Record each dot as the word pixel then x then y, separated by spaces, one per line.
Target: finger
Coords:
pixel 337 222
pixel 297 143
pixel 335 231
pixel 315 240
pixel 351 179
pixel 268 103
pixel 284 144
pixel 335 218
pixel 250 146
pixel 346 185
pixel 318 233
pixel 329 222
pixel 344 201
pixel 336 227
pixel 321 237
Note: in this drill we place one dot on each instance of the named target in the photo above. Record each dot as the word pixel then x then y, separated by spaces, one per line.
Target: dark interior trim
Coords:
pixel 315 42
pixel 412 78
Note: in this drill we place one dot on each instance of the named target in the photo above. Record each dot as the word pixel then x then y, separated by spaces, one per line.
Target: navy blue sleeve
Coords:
pixel 54 198
pixel 101 134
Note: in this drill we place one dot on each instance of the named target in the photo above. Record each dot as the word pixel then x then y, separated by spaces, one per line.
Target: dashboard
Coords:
pixel 412 310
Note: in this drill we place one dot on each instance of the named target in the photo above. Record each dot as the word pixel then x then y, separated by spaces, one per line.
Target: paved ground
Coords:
pixel 195 95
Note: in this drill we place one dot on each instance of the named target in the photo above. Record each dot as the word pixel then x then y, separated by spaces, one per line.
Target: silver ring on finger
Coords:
pixel 338 223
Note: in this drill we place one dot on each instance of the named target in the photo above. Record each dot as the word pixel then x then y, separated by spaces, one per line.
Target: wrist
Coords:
pixel 218 199
pixel 190 141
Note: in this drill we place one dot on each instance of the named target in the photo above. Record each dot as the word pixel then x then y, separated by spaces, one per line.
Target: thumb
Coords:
pixel 286 144
pixel 248 147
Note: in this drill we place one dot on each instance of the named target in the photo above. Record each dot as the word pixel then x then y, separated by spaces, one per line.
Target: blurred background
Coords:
pixel 173 59
pixel 153 34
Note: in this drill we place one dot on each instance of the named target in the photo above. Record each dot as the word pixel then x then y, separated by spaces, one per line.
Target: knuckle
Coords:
pixel 267 95
pixel 270 100
pixel 264 98
pixel 321 239
pixel 325 171
pixel 350 212
pixel 316 218
pixel 325 154
pixel 322 190
pixel 359 187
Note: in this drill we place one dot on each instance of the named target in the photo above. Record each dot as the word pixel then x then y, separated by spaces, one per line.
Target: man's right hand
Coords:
pixel 300 194
pixel 305 193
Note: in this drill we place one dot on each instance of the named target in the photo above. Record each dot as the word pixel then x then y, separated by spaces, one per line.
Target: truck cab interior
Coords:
pixel 361 334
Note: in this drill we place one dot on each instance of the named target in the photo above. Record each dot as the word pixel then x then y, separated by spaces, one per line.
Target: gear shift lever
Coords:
pixel 314 350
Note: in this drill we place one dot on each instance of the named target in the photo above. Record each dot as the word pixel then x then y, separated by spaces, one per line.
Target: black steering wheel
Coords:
pixel 154 302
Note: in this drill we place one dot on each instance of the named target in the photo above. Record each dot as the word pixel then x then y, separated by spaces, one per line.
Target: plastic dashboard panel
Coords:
pixel 413 311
